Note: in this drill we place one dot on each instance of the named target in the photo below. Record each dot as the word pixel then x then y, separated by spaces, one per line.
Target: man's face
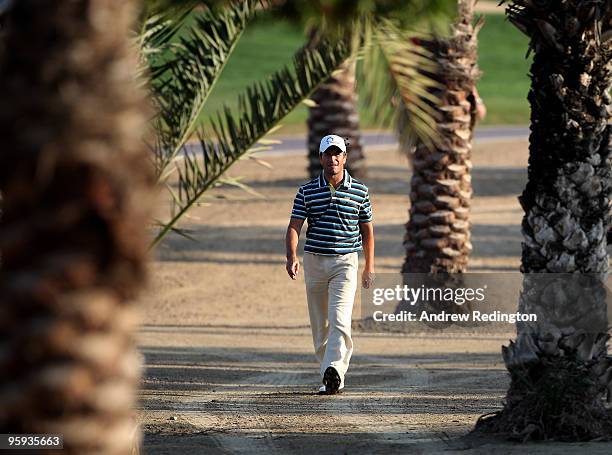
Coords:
pixel 333 160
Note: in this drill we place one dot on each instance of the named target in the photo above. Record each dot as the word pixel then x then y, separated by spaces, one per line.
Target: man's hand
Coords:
pixel 367 233
pixel 367 279
pixel 291 243
pixel 293 267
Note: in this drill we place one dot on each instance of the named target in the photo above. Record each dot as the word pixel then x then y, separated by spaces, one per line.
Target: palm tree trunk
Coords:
pixel 336 113
pixel 75 182
pixel 438 231
pixel 559 369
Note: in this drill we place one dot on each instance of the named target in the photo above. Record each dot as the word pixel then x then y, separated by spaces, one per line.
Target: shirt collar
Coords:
pixel 347 181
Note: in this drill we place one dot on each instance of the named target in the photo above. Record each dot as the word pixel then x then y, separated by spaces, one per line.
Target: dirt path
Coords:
pixel 227 348
pixel 242 390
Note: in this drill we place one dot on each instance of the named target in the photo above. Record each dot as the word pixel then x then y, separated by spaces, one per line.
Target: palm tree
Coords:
pixel 334 110
pixel 438 231
pixel 75 185
pixel 559 369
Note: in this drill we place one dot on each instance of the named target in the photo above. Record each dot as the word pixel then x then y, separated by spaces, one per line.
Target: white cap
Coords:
pixel 331 140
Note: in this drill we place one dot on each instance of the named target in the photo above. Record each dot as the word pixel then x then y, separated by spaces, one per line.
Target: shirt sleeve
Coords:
pixel 299 206
pixel 365 210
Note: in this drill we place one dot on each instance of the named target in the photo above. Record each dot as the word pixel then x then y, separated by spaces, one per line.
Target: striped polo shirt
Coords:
pixel 333 216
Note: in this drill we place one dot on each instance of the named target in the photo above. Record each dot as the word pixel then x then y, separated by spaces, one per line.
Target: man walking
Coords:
pixel 339 215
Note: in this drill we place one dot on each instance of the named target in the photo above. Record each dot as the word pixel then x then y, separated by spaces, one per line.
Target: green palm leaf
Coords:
pixel 231 135
pixel 185 61
pixel 399 82
pixel 535 21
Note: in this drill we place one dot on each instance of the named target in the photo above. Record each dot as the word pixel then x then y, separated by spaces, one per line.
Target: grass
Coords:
pixel 504 83
pixel 267 45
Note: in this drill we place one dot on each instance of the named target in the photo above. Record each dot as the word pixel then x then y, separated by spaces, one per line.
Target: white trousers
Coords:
pixel 331 283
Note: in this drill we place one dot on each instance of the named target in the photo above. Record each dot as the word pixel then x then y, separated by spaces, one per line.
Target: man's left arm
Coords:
pixel 367 236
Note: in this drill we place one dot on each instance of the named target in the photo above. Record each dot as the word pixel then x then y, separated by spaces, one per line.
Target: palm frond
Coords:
pixel 331 17
pixel 399 82
pixel 158 30
pixel 535 21
pixel 186 55
pixel 231 135
pixel 186 233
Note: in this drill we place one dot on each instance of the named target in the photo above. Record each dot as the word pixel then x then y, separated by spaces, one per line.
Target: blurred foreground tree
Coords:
pixel 559 368
pixel 75 182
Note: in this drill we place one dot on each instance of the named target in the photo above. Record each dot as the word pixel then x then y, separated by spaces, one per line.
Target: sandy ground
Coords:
pixel 229 366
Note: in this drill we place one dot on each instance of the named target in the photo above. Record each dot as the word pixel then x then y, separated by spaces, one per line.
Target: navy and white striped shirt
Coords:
pixel 333 217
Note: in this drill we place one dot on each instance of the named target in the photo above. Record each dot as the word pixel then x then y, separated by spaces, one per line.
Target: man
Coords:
pixel 339 215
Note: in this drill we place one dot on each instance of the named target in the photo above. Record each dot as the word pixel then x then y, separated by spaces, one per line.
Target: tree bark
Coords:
pixel 438 230
pixel 336 113
pixel 559 368
pixel 75 182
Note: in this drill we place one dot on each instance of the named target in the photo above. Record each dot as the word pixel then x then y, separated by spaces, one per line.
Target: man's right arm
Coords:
pixel 291 242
